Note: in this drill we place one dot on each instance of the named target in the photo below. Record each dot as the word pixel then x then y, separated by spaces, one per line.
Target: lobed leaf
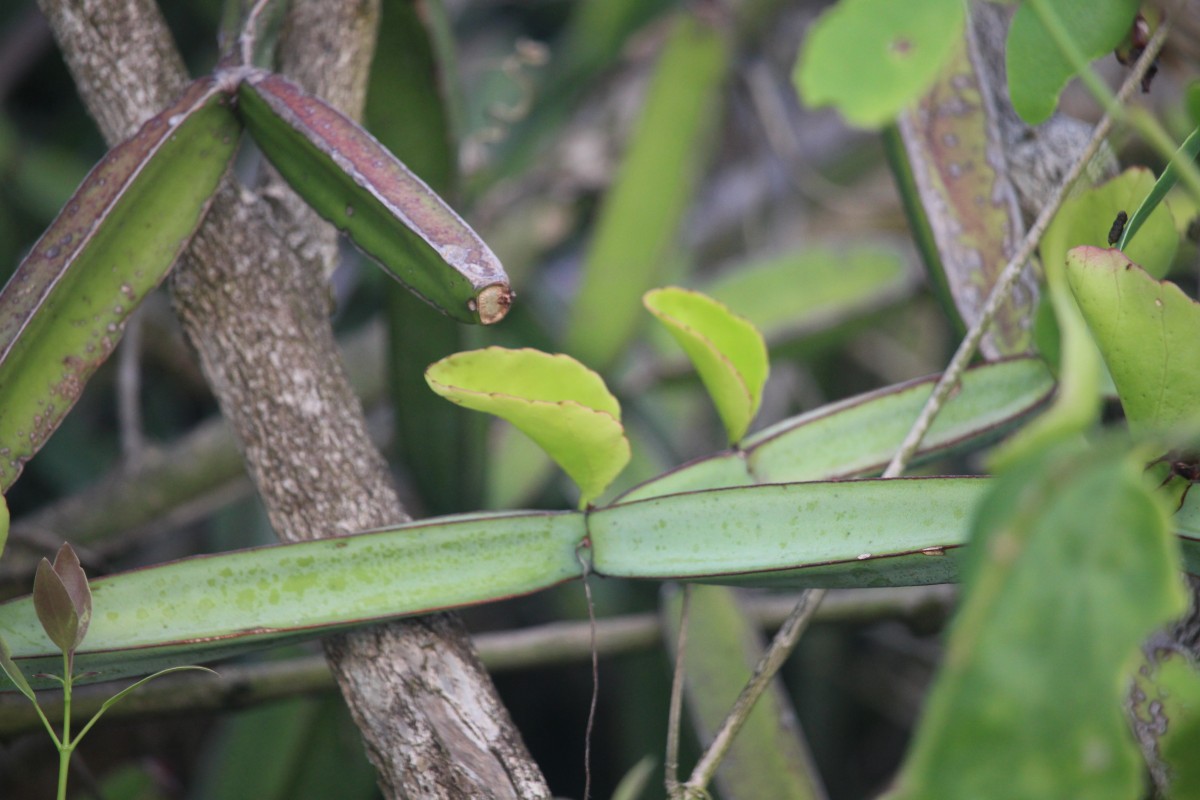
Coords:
pixel 63 310
pixel 727 351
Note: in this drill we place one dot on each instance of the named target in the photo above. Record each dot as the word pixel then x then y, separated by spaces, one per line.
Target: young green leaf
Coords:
pixel 553 399
pixel 1148 332
pixel 388 212
pixel 1069 568
pixel 1037 68
pixel 727 351
pixel 872 58
pixel 62 312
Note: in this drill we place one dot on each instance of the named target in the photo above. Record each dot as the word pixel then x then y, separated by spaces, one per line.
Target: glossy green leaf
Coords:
pixel 727 351
pixel 208 607
pixel 63 311
pixel 1070 567
pixel 1148 332
pixel 858 436
pixel 553 399
pixel 1144 211
pixel 350 179
pixel 1087 217
pixel 872 58
pixel 1037 68
pixel 768 757
pixel 640 215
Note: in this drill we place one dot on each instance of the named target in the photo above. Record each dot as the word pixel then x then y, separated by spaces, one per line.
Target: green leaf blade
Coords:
pixel 1148 332
pixel 552 399
pixel 727 351
pixel 872 58
pixel 1070 567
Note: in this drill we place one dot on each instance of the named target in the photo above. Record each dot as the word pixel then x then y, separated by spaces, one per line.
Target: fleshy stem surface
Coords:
pixel 1012 271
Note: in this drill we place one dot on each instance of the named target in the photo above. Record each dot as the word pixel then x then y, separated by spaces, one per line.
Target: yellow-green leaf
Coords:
pixel 727 351
pixel 1148 332
pixel 553 399
pixel 1088 218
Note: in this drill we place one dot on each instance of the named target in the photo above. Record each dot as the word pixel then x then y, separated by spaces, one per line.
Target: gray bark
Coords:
pixel 252 298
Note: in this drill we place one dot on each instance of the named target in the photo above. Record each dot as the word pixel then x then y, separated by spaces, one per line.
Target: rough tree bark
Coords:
pixel 252 298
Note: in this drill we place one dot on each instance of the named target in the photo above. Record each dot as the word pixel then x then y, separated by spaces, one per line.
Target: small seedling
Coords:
pixel 63 602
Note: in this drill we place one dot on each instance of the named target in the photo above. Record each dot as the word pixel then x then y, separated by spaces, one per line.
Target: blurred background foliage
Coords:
pixel 612 146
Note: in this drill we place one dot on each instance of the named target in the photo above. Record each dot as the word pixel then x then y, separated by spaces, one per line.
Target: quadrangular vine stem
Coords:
pixel 1012 270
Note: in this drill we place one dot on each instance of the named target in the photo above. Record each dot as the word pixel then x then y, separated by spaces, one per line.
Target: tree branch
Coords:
pixel 256 313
